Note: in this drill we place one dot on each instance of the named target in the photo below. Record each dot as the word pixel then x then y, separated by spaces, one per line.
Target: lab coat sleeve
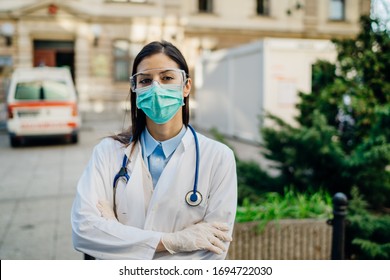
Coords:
pixel 93 234
pixel 222 200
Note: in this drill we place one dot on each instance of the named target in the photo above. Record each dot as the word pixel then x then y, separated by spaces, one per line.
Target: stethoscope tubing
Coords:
pixel 195 189
pixel 121 174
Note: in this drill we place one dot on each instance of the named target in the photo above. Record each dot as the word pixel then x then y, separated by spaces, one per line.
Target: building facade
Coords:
pixel 97 39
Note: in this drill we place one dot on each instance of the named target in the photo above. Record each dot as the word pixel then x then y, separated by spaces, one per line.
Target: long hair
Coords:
pixel 138 117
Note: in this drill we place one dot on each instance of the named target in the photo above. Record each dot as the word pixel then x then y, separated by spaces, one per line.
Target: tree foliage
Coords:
pixel 368 233
pixel 343 136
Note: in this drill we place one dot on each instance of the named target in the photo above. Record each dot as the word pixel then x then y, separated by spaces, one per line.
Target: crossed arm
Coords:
pixel 200 236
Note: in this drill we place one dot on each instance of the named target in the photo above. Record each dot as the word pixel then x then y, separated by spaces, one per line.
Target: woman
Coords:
pixel 152 211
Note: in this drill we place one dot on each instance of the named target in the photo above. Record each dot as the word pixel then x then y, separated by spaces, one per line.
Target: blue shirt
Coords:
pixel 156 154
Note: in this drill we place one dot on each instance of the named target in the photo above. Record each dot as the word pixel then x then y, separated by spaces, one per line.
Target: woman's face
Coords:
pixel 158 61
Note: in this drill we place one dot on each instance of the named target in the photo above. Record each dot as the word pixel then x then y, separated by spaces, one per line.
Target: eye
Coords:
pixel 145 81
pixel 167 78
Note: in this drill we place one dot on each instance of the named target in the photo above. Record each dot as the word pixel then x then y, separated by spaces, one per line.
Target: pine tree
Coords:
pixel 343 137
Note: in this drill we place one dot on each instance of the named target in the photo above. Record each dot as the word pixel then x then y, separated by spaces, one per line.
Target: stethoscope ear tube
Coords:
pixel 122 172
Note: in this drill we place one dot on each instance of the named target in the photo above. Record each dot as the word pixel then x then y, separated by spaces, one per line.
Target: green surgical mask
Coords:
pixel 160 102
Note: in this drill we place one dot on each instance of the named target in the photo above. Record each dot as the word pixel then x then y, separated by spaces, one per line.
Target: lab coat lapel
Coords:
pixel 138 190
pixel 170 178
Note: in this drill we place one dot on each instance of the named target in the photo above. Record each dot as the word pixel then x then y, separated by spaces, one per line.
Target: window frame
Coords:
pixel 128 1
pixel 335 17
pixel 205 6
pixel 127 59
pixel 263 7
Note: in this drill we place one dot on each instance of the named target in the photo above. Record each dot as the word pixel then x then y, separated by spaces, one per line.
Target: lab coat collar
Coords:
pixel 186 140
pixel 168 146
pixel 135 151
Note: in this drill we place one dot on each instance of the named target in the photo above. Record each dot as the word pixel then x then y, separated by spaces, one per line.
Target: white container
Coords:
pixel 234 87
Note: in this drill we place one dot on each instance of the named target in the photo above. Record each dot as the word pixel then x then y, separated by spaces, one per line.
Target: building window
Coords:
pixel 130 1
pixel 337 9
pixel 6 65
pixel 205 6
pixel 262 7
pixel 121 60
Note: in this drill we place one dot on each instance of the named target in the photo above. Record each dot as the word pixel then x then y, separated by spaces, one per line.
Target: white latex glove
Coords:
pixel 201 236
pixel 106 210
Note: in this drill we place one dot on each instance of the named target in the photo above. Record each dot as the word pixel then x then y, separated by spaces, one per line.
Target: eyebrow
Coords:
pixel 162 72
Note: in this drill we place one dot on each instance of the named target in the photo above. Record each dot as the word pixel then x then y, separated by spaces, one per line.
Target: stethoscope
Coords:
pixel 193 197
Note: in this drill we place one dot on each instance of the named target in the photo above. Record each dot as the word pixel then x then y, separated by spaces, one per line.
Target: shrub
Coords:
pixel 291 204
pixel 367 234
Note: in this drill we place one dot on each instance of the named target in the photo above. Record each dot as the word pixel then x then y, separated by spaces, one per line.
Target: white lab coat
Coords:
pixel 145 214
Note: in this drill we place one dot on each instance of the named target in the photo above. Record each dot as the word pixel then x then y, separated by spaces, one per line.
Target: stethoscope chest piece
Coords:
pixel 193 199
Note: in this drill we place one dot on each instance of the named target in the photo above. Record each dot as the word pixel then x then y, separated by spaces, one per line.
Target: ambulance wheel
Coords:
pixel 75 138
pixel 15 142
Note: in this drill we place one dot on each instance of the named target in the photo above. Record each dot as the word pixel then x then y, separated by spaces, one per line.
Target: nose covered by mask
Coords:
pixel 160 102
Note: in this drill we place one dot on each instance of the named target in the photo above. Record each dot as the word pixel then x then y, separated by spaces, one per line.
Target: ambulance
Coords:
pixel 42 102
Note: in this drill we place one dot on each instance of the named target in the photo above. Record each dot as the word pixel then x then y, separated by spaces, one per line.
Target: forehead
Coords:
pixel 154 61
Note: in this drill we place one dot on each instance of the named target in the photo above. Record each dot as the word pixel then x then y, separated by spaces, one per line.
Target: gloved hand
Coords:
pixel 106 210
pixel 201 236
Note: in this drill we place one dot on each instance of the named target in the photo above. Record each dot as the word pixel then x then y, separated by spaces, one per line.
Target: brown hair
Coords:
pixel 138 118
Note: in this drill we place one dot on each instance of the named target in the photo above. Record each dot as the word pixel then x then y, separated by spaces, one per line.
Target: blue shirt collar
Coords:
pixel 169 146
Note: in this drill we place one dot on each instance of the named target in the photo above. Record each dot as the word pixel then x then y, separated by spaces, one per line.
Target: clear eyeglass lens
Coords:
pixel 162 76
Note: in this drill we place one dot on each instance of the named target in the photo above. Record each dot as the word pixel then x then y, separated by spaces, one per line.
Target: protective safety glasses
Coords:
pixel 164 76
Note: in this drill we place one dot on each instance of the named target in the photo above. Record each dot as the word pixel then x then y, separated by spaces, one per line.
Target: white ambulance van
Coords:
pixel 42 102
